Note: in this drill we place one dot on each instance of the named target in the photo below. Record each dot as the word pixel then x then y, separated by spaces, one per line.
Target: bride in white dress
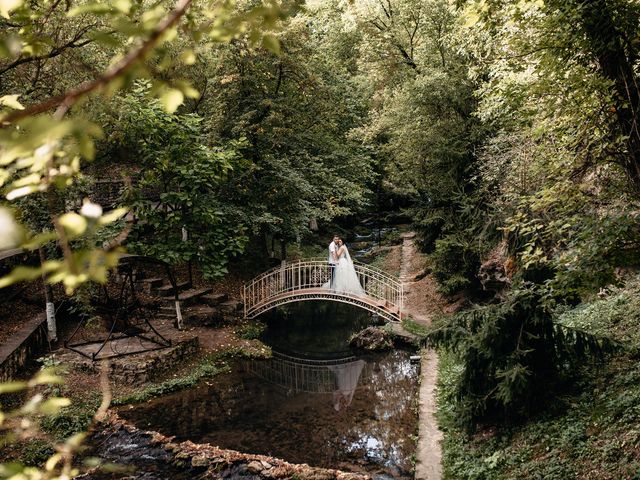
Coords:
pixel 345 277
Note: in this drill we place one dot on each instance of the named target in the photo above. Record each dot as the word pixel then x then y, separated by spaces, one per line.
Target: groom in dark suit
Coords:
pixel 333 259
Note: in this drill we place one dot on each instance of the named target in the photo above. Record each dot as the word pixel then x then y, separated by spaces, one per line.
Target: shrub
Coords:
pixel 512 355
pixel 455 264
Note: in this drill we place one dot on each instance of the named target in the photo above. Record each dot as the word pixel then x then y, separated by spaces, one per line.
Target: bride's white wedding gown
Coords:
pixel 345 278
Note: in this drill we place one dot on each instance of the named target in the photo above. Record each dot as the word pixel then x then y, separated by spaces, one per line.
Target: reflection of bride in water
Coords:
pixel 345 278
pixel 347 376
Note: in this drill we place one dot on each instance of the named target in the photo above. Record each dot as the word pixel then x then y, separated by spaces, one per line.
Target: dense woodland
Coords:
pixel 505 132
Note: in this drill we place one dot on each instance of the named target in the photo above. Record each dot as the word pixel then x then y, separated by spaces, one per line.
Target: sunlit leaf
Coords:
pixel 112 216
pixel 11 101
pixel 6 6
pixel 172 99
pixel 51 406
pixel 53 461
pixel 22 192
pixel 10 387
pixel 188 57
pixel 74 224
pixel 95 8
pixel 271 43
pixel 11 233
pixel 45 377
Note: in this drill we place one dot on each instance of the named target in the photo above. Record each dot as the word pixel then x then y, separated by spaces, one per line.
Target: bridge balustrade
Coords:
pixel 309 280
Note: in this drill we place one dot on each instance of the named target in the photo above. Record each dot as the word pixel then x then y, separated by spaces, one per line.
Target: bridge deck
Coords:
pixel 328 293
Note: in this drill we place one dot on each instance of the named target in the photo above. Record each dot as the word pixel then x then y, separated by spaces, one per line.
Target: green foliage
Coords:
pixel 19 429
pixel 455 264
pixel 70 420
pixel 592 427
pixel 203 370
pixel 36 452
pixel 42 152
pixel 208 367
pixel 411 326
pixel 513 355
pixel 178 189
pixel 251 330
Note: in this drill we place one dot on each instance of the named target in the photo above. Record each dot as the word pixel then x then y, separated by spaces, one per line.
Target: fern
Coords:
pixel 513 354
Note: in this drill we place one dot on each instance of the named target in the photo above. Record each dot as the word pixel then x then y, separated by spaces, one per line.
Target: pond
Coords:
pixel 316 401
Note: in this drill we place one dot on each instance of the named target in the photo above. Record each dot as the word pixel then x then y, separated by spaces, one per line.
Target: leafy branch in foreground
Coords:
pixel 42 152
pixel 21 425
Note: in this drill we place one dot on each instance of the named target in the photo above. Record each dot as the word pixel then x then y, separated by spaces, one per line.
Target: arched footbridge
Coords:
pixel 306 279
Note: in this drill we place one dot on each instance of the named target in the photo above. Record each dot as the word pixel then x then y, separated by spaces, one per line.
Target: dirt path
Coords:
pixel 422 302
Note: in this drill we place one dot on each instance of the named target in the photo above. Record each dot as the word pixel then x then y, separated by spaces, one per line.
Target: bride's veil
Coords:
pixel 346 253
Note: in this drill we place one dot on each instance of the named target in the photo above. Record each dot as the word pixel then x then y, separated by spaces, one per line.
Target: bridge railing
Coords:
pixel 314 275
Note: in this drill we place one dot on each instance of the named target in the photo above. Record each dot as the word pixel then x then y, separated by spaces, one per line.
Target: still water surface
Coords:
pixel 315 402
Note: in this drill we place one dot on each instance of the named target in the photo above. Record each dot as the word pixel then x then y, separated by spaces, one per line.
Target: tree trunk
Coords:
pixel 616 57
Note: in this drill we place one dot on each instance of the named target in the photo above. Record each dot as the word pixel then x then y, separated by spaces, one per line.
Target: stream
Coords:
pixel 316 401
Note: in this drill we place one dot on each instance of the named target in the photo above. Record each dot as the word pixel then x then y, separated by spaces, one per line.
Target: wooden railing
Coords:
pixel 308 280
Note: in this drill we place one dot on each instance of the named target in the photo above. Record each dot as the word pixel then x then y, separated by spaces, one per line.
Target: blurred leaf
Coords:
pixel 112 216
pixel 51 406
pixel 271 43
pixel 6 6
pixel 11 387
pixel 172 99
pixel 73 223
pixel 11 101
pixel 46 376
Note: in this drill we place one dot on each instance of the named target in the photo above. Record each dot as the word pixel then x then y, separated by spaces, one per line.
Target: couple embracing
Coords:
pixel 344 278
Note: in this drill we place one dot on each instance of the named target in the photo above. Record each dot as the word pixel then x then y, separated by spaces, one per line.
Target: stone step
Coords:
pixel 203 316
pixel 167 289
pixel 150 284
pixel 214 299
pixel 231 306
pixel 154 282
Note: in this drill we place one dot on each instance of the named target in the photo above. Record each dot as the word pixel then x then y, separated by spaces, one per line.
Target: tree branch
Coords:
pixel 68 99
pixel 53 53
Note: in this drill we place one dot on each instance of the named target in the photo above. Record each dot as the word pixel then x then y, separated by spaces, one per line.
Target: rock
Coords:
pixel 255 466
pixel 372 338
pixel 181 455
pixel 320 476
pixel 419 276
pixel 200 461
pixel 231 306
pixel 214 299
pixel 266 465
pixel 493 276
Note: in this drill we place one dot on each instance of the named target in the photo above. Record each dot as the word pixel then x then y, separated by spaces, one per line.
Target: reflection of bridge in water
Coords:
pixel 301 375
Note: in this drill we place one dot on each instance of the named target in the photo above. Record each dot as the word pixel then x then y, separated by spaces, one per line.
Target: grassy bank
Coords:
pixel 590 432
pixel 210 366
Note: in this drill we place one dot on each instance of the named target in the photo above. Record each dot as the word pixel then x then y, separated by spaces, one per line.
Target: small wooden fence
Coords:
pixel 308 280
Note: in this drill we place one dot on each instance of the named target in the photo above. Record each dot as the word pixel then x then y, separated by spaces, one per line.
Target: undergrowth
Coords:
pixel 411 326
pixel 591 431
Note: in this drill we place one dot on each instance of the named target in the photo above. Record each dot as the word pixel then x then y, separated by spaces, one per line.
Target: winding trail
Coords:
pixel 421 302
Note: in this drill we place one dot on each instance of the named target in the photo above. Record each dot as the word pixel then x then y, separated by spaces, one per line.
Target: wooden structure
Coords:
pixel 308 280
